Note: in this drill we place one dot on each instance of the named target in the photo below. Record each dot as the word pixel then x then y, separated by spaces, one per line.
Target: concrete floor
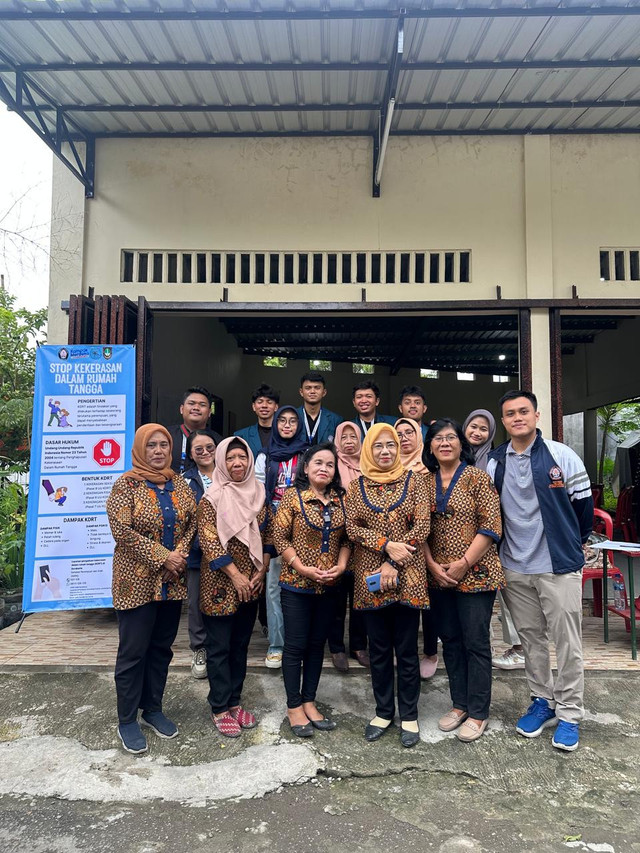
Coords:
pixel 65 786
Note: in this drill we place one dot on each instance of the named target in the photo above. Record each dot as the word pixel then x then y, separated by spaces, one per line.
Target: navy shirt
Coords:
pixel 163 496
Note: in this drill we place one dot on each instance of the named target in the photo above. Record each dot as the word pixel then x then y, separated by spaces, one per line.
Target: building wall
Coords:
pixel 534 212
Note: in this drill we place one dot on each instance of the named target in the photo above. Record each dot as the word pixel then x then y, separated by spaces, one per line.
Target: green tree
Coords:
pixel 20 331
pixel 617 420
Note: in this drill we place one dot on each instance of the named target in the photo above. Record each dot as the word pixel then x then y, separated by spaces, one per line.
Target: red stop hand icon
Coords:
pixel 106 452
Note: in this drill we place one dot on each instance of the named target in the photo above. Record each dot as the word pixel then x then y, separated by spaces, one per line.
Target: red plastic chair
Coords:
pixel 625 521
pixel 600 517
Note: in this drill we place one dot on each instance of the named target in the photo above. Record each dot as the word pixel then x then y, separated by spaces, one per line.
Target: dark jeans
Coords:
pixel 306 624
pixel 394 628
pixel 429 634
pixel 462 621
pixel 144 653
pixel 227 644
pixel 342 593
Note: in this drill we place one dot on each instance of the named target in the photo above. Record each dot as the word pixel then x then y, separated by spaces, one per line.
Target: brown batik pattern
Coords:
pixel 136 524
pixel 299 525
pixel 377 513
pixel 218 596
pixel 473 507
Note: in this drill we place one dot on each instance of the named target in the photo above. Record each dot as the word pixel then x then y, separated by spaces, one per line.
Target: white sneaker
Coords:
pixel 199 663
pixel 273 659
pixel 511 659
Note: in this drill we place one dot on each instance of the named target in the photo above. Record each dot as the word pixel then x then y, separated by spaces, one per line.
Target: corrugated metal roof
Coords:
pixel 470 73
pixel 80 69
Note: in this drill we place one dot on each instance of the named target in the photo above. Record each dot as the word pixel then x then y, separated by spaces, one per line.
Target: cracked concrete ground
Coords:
pixel 66 786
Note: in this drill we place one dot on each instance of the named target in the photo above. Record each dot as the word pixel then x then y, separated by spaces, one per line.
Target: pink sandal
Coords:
pixel 245 719
pixel 226 725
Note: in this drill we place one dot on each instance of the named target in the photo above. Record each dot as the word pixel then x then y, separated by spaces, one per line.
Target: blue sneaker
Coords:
pixel 539 715
pixel 566 736
pixel 160 724
pixel 132 738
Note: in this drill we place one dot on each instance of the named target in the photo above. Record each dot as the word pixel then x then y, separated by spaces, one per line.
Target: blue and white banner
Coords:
pixel 83 428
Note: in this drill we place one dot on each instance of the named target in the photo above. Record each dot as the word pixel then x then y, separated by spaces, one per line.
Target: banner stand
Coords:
pixel 83 429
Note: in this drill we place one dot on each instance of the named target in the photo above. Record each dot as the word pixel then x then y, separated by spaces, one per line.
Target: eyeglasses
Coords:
pixel 406 434
pixel 390 445
pixel 450 438
pixel 288 421
pixel 200 451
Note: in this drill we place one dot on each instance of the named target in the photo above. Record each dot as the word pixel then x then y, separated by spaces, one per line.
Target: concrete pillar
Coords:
pixel 538 228
pixel 541 366
pixel 67 247
pixel 591 443
pixel 539 265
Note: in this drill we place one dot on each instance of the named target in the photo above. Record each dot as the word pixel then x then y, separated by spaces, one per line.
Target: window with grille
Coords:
pixel 619 264
pixel 153 266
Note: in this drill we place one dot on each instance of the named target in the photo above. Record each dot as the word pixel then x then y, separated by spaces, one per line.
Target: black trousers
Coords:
pixel 306 624
pixel 429 634
pixel 342 593
pixel 394 628
pixel 144 653
pixel 227 645
pixel 463 620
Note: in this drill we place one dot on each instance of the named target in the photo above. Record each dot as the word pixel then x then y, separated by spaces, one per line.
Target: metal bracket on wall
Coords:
pixel 52 125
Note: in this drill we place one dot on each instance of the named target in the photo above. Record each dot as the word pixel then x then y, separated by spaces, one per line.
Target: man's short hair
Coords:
pixel 513 395
pixel 366 385
pixel 312 376
pixel 197 389
pixel 267 391
pixel 412 391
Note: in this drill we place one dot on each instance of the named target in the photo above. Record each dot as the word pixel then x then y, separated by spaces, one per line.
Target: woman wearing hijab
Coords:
pixel 348 447
pixel 480 429
pixel 465 572
pixel 276 468
pixel 231 527
pixel 152 514
pixel 411 448
pixel 388 517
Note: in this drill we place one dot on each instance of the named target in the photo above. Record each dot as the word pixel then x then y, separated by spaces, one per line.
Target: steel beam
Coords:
pixel 387 106
pixel 186 15
pixel 292 67
pixel 25 104
pixel 407 106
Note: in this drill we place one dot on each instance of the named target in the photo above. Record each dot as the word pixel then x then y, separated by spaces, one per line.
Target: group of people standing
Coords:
pixel 392 518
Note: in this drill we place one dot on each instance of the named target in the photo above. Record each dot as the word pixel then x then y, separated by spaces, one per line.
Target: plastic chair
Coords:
pixel 594 575
pixel 625 521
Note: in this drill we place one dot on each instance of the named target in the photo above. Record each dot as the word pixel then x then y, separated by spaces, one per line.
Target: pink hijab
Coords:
pixel 237 504
pixel 348 464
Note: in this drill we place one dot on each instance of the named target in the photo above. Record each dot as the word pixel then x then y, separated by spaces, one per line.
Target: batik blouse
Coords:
pixel 376 514
pixel 218 596
pixel 314 530
pixel 470 505
pixel 148 523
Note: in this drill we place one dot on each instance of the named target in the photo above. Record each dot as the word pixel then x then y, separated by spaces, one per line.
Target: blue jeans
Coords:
pixel 275 621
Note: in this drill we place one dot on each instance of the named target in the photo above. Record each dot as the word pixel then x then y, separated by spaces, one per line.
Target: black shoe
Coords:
pixel 409 739
pixel 372 733
pixel 323 725
pixel 302 731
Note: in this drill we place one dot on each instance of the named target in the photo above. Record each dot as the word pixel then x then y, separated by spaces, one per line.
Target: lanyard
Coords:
pixel 312 435
pixel 287 468
pixel 367 426
pixel 183 456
